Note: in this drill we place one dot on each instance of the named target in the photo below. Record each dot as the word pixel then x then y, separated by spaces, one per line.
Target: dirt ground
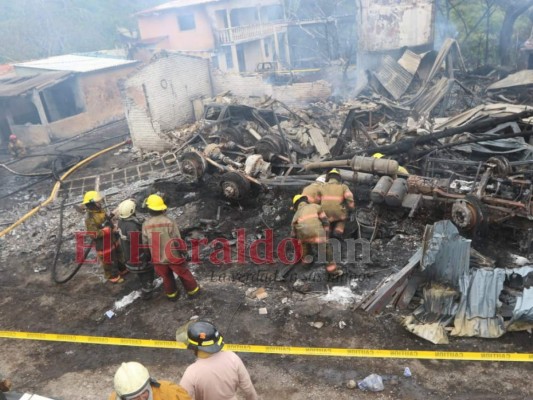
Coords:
pixel 30 301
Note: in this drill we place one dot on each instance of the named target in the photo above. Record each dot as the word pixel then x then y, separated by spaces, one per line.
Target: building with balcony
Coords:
pixel 235 34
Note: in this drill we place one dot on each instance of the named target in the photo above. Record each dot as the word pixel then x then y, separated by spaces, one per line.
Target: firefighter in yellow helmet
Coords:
pixel 401 170
pixel 132 381
pixel 98 224
pixel 337 201
pixel 311 227
pixel 167 249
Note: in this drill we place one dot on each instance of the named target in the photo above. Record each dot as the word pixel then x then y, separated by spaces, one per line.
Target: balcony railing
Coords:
pixel 248 32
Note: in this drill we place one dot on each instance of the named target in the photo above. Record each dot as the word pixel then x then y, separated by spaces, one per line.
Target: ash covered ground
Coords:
pixel 31 302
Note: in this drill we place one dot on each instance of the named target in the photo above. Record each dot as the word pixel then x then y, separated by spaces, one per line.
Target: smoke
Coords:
pixel 444 28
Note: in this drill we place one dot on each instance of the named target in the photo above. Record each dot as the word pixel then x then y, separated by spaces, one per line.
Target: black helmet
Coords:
pixel 204 336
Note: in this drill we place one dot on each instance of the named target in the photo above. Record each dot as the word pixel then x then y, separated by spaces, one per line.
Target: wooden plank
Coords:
pixel 317 136
pixel 385 294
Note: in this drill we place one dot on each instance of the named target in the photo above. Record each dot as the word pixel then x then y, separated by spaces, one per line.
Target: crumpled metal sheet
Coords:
pixel 435 333
pixel 446 254
pixel 440 305
pixel 393 77
pixel 518 79
pixel 477 314
pixel 523 311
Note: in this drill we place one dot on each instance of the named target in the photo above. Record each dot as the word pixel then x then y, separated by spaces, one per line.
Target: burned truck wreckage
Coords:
pixel 492 190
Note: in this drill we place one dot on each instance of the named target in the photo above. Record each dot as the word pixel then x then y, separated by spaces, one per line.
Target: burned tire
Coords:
pixel 234 186
pixel 193 165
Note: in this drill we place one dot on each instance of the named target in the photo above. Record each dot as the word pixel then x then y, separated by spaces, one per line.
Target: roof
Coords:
pixel 520 78
pixel 75 63
pixel 17 85
pixel 172 5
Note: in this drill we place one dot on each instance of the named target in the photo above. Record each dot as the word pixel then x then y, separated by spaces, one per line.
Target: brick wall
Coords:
pixel 158 98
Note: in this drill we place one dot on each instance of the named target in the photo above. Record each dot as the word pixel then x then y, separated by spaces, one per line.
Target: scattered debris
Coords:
pixel 263 311
pixel 372 383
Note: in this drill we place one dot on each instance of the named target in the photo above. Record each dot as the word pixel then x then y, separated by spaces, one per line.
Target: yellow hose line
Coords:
pixel 57 185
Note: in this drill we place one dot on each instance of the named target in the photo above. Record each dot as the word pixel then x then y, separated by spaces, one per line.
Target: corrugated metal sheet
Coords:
pixel 477 314
pixel 393 77
pixel 393 24
pixel 410 61
pixel 172 5
pixel 75 63
pixel 15 86
pixel 520 78
pixel 446 254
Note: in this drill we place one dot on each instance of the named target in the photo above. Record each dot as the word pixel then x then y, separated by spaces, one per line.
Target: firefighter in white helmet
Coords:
pixel 133 382
pixel 136 257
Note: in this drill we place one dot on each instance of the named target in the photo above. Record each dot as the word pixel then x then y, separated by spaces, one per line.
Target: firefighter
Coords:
pixel 16 147
pixel 311 227
pixel 137 258
pixel 313 192
pixel 108 251
pixel 337 201
pixel 401 170
pixel 163 236
pixel 133 382
pixel 216 374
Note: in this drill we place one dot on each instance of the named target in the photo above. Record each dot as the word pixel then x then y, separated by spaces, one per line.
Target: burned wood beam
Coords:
pixel 406 145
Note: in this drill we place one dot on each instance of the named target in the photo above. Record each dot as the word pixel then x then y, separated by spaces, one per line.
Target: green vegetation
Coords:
pixel 32 29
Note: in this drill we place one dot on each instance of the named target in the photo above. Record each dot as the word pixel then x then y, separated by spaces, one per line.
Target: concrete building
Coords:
pixel 236 35
pixel 60 97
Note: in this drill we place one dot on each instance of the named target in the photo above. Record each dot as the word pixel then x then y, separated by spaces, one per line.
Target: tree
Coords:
pixel 513 9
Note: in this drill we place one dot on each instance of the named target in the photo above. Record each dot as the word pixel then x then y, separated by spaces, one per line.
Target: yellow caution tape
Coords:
pixel 305 351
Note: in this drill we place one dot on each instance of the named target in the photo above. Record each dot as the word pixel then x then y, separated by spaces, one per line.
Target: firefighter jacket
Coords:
pixel 16 148
pixel 130 230
pixel 95 221
pixel 313 192
pixel 164 390
pixel 162 234
pixel 336 199
pixel 309 223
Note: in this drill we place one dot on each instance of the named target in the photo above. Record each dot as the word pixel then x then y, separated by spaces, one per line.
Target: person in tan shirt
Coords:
pixel 216 374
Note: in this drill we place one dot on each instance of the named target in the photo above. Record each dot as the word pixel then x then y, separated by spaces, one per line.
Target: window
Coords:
pixel 186 22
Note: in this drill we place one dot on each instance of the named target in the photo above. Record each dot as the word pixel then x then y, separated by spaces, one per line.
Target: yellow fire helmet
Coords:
pixel 92 196
pixel 155 203
pixel 297 198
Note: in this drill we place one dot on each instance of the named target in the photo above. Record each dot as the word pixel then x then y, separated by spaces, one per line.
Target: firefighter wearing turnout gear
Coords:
pixel 137 258
pixel 313 192
pixel 98 224
pixel 163 236
pixel 216 374
pixel 16 147
pixel 132 381
pixel 337 201
pixel 310 226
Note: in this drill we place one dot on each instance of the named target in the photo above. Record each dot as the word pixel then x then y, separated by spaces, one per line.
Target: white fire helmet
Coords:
pixel 126 209
pixel 132 379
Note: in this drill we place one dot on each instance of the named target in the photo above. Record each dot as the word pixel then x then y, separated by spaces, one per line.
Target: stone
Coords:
pixel 351 384
pixel 263 311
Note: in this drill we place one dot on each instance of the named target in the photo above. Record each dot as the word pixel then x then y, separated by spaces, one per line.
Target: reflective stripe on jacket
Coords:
pixel 309 222
pixel 336 197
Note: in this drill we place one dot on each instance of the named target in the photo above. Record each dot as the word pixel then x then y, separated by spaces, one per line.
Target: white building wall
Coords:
pixel 158 98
